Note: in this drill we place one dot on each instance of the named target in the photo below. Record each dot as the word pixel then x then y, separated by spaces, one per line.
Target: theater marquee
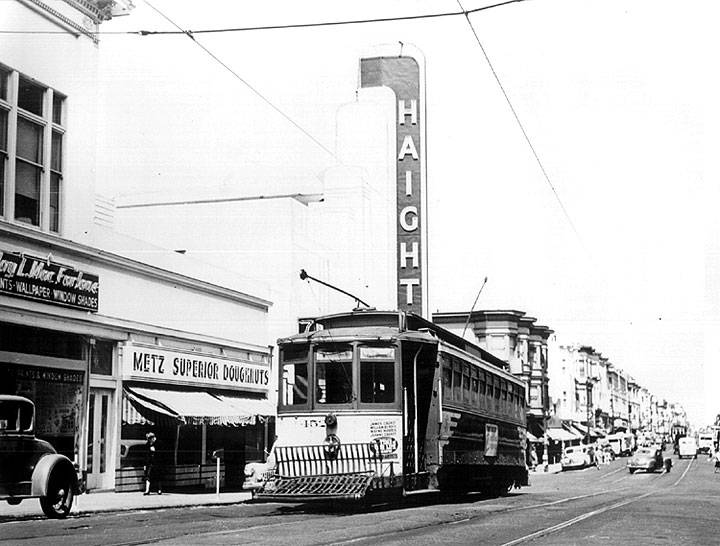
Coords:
pixel 405 75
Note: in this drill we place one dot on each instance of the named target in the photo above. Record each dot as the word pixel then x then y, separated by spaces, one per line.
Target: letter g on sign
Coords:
pixel 411 223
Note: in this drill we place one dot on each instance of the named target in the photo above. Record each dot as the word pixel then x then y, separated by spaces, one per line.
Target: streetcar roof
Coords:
pixel 365 333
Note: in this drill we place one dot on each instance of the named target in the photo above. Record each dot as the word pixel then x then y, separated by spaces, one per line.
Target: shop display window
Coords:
pixel 58 397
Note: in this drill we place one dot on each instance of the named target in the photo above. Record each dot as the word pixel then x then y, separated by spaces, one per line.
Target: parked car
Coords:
pixel 649 459
pixel 30 467
pixel 687 447
pixel 577 457
pixel 257 473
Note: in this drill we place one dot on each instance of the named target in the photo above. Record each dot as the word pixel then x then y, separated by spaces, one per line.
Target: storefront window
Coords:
pixel 57 395
pixel 102 358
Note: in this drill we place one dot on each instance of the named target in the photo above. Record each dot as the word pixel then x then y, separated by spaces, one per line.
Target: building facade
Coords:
pixel 110 337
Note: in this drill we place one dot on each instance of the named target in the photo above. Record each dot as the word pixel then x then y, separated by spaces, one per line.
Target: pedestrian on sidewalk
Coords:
pixel 150 474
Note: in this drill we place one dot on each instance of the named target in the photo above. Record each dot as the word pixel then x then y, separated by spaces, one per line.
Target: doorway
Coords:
pixel 99 464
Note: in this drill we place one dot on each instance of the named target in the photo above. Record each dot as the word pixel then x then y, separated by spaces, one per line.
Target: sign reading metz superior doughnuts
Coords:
pixel 167 366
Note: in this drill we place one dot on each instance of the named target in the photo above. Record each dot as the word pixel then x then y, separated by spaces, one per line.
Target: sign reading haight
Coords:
pixel 404 74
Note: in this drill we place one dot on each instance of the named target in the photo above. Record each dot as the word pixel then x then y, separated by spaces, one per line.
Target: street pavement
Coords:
pixel 592 506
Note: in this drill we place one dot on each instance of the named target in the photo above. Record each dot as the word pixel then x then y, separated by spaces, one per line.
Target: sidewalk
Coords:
pixel 109 501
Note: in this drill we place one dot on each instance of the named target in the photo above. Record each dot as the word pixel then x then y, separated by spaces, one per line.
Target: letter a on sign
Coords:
pixel 404 74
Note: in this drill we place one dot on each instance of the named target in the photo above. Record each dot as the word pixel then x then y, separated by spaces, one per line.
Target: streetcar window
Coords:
pixel 466 387
pixel 295 384
pixel 333 372
pixel 489 385
pixel 482 384
pixel 503 388
pixel 447 379
pixel 377 382
pixel 497 389
pixel 475 388
pixel 457 384
pixel 294 352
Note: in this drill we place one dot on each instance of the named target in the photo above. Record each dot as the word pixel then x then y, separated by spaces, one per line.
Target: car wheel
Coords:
pixel 631 470
pixel 58 501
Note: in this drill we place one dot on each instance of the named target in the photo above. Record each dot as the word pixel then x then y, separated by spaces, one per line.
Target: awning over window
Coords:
pixel 196 407
pixel 561 435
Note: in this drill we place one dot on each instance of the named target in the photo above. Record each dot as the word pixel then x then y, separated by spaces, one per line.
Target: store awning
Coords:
pixel 194 407
pixel 561 435
pixel 532 438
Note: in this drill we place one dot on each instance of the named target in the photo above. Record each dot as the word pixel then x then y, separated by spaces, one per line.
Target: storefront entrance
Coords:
pixel 100 417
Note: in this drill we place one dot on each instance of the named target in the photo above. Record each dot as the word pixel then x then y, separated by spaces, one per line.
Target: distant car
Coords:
pixel 30 467
pixel 687 447
pixel 577 457
pixel 649 459
pixel 706 442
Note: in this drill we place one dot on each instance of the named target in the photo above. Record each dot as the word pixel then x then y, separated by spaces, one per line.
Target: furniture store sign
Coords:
pixel 174 367
pixel 44 280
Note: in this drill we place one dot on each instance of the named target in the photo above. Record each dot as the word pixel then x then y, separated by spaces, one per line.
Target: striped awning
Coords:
pixel 562 435
pixel 194 407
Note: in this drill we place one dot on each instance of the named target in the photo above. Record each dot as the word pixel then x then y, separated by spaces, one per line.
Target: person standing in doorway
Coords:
pixel 150 470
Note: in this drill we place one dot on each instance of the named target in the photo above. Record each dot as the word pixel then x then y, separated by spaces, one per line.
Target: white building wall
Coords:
pixel 68 64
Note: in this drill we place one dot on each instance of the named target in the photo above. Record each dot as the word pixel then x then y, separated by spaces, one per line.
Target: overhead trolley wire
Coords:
pixel 520 124
pixel 279 27
pixel 244 82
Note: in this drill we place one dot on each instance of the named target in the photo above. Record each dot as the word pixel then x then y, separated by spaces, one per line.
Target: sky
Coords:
pixel 603 226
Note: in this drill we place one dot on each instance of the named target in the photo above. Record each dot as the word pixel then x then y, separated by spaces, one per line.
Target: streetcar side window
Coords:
pixel 474 386
pixel 457 381
pixel 333 374
pixel 377 375
pixel 295 384
pixel 483 401
pixel 466 384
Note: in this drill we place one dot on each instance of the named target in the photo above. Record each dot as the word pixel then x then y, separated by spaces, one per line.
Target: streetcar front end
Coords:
pixel 339 425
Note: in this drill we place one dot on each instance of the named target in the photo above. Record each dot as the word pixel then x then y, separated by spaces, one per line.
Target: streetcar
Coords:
pixel 376 403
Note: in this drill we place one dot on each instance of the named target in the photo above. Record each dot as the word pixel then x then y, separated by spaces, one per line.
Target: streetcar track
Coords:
pixel 582 517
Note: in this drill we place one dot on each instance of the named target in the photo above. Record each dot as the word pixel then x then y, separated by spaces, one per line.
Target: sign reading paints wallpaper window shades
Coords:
pixel 41 279
pixel 145 363
pixel 405 75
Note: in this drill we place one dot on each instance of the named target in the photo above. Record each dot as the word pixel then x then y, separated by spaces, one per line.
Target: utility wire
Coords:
pixel 520 124
pixel 280 27
pixel 243 81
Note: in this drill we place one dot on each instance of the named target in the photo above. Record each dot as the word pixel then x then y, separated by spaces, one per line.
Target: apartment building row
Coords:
pixel 586 388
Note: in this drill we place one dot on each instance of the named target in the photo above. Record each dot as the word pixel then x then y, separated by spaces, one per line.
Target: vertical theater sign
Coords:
pixel 404 74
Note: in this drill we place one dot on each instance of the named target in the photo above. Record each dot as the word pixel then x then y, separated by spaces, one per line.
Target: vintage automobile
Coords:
pixel 30 467
pixel 649 459
pixel 577 457
pixel 687 447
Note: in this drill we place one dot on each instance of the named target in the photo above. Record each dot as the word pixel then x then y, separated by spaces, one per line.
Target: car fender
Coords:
pixel 44 469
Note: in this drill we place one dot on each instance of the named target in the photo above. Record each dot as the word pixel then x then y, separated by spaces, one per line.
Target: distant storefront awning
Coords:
pixel 562 435
pixel 532 438
pixel 195 407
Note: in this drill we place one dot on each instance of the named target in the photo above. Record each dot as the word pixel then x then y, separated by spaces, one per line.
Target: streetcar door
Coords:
pixel 418 374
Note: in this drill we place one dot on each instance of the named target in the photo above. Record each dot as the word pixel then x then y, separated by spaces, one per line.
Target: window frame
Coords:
pixel 397 379
pixel 50 208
